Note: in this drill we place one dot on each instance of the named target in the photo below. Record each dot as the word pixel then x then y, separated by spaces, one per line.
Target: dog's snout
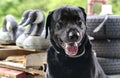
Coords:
pixel 73 35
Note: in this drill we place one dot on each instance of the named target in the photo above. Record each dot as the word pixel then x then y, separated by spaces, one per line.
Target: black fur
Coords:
pixel 60 65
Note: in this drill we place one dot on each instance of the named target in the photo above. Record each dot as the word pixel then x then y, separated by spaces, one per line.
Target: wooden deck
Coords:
pixel 10 50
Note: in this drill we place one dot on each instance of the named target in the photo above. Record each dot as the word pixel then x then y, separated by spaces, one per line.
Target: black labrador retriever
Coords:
pixel 70 55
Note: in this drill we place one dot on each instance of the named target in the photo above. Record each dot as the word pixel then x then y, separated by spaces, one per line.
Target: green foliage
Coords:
pixel 17 7
pixel 115 6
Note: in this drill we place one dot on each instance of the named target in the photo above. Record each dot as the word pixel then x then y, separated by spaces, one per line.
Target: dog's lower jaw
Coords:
pixel 71 49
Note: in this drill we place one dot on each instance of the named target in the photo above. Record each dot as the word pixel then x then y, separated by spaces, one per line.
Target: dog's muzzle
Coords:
pixel 73 35
pixel 71 47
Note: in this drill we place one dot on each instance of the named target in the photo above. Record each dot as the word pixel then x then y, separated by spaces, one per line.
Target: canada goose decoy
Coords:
pixel 10 30
pixel 35 40
pixel 21 38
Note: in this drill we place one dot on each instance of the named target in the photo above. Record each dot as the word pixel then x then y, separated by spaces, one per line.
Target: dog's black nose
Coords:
pixel 73 35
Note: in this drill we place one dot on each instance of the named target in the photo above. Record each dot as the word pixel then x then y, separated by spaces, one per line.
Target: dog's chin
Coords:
pixel 71 49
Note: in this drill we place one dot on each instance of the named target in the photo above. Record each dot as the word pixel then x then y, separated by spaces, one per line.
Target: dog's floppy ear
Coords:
pixel 84 14
pixel 48 23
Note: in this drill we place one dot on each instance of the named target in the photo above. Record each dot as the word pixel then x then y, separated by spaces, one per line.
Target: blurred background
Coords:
pixel 17 7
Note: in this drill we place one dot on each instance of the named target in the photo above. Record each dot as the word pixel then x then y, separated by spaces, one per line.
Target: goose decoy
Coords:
pixel 10 30
pixel 21 38
pixel 36 40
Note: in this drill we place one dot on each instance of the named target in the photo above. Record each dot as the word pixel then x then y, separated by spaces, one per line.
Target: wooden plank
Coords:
pixel 30 60
pixel 29 70
pixel 11 50
pixel 10 73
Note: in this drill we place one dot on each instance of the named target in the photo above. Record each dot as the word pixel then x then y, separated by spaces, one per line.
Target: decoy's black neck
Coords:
pixel 30 29
pixel 4 28
pixel 38 28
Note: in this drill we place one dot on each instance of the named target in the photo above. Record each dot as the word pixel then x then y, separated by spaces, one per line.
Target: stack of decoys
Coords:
pixel 21 38
pixel 10 30
pixel 36 39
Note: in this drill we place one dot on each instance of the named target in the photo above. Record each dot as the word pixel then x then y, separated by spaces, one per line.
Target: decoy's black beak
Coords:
pixel 22 21
pixel 27 22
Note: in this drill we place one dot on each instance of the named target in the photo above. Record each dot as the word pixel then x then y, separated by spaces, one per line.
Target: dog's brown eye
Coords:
pixel 60 22
pixel 58 26
pixel 79 22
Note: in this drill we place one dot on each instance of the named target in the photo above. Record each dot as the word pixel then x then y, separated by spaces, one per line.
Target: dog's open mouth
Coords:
pixel 71 49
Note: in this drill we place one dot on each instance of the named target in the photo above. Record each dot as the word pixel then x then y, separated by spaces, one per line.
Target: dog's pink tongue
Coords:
pixel 71 49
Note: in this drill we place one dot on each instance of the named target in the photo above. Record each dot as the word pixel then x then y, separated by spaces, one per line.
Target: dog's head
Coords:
pixel 67 25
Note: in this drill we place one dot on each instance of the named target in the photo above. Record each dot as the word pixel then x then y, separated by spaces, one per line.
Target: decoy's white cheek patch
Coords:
pixel 40 17
pixel 8 26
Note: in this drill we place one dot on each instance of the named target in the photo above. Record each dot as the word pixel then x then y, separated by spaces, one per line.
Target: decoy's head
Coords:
pixel 35 17
pixel 9 23
pixel 25 16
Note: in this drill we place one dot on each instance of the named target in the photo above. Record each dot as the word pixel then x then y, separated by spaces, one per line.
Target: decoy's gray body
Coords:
pixel 21 38
pixel 10 30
